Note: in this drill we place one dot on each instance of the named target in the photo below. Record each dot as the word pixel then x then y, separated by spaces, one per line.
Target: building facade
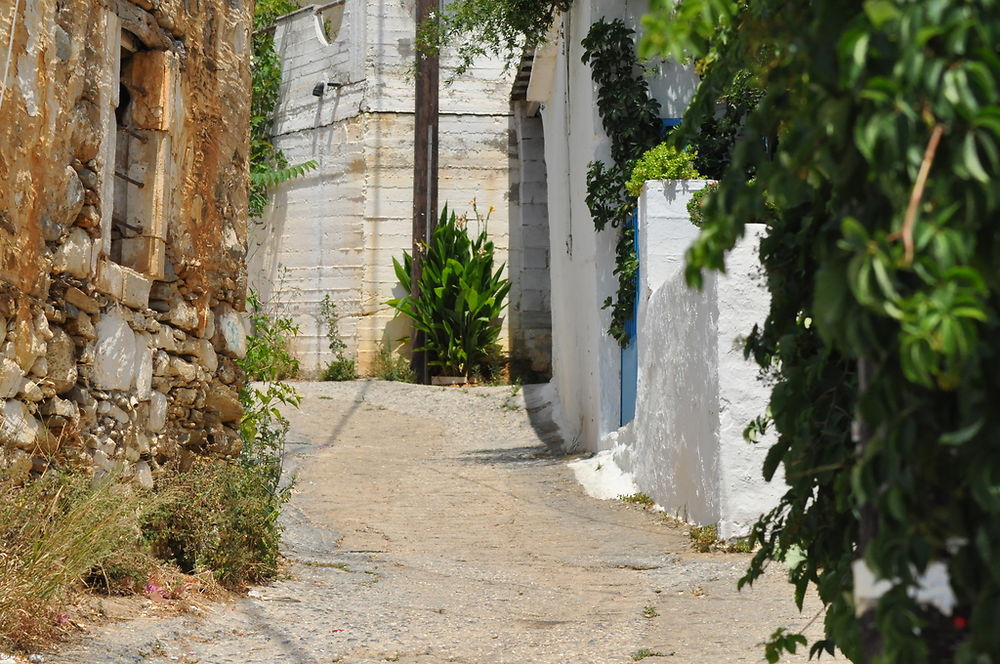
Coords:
pixel 335 231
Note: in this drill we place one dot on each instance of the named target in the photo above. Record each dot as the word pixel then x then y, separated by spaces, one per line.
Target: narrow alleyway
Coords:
pixel 432 525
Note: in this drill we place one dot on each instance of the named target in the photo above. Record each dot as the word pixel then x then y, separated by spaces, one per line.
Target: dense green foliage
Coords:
pixel 696 205
pixel 881 257
pixel 631 120
pixel 462 297
pixel 268 165
pixel 219 517
pixel 503 28
pixel 664 162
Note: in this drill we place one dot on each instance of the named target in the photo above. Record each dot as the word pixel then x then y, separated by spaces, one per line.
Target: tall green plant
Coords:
pixel 882 260
pixel 461 297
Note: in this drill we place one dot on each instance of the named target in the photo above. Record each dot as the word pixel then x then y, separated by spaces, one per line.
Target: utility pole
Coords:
pixel 425 165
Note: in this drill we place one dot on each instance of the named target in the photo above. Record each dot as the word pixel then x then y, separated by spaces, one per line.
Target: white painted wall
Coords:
pixel 685 447
pixel 336 230
pixel 586 361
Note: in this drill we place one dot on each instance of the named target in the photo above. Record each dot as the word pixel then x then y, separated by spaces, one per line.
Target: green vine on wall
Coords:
pixel 631 120
pixel 882 258
pixel 268 165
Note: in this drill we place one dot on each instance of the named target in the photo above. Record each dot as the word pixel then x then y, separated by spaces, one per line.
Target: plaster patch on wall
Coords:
pixel 601 477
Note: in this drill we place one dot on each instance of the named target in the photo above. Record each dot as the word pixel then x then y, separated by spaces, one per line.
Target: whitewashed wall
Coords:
pixel 586 361
pixel 685 447
pixel 336 230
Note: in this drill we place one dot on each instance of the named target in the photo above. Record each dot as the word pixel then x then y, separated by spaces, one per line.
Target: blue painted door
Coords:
pixel 630 353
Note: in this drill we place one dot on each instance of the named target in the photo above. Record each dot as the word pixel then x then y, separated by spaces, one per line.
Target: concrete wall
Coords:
pixel 337 230
pixel 585 360
pixel 697 393
pixel 119 321
pixel 530 311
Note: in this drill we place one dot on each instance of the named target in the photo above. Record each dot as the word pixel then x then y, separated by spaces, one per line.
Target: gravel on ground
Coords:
pixel 433 525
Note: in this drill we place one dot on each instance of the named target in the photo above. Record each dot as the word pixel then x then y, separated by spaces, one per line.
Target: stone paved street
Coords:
pixel 433 525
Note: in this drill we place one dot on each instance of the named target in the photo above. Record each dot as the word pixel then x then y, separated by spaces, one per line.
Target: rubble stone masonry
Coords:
pixel 123 150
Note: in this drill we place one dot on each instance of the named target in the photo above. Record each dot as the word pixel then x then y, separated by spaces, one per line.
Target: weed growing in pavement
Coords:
pixel 637 499
pixel 643 653
pixel 341 367
pixel 706 538
pixel 649 611
pixel 392 366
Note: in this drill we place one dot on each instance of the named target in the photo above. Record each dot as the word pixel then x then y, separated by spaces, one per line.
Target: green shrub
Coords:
pixel 696 205
pixel 222 517
pixel 341 367
pixel 393 367
pixel 461 297
pixel 664 162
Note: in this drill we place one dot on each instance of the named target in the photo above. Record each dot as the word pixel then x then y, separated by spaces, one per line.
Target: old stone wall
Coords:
pixel 123 140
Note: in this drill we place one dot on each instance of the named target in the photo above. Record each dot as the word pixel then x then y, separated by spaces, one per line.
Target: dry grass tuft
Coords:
pixel 53 531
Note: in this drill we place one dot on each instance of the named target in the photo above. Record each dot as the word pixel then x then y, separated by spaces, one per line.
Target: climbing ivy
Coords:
pixel 631 120
pixel 268 165
pixel 882 258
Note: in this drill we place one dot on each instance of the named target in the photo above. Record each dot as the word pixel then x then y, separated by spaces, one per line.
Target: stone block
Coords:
pixel 61 408
pixel 61 360
pixel 82 327
pixel 143 475
pixel 144 366
pixel 10 378
pixel 82 301
pixel 224 402
pixel 18 427
pixel 115 353
pixel 184 371
pixel 231 335
pixel 203 351
pixel 164 339
pixel 30 391
pixel 157 412
pixel 75 256
pixel 183 315
pixel 123 284
pixel 135 289
pixel 40 368
pixel 66 199
pixel 27 346
pixel 207 331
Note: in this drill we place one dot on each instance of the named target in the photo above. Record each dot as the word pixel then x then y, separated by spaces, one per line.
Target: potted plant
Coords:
pixel 462 297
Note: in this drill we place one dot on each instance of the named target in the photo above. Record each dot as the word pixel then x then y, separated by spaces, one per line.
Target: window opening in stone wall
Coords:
pixel 141 144
pixel 123 225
